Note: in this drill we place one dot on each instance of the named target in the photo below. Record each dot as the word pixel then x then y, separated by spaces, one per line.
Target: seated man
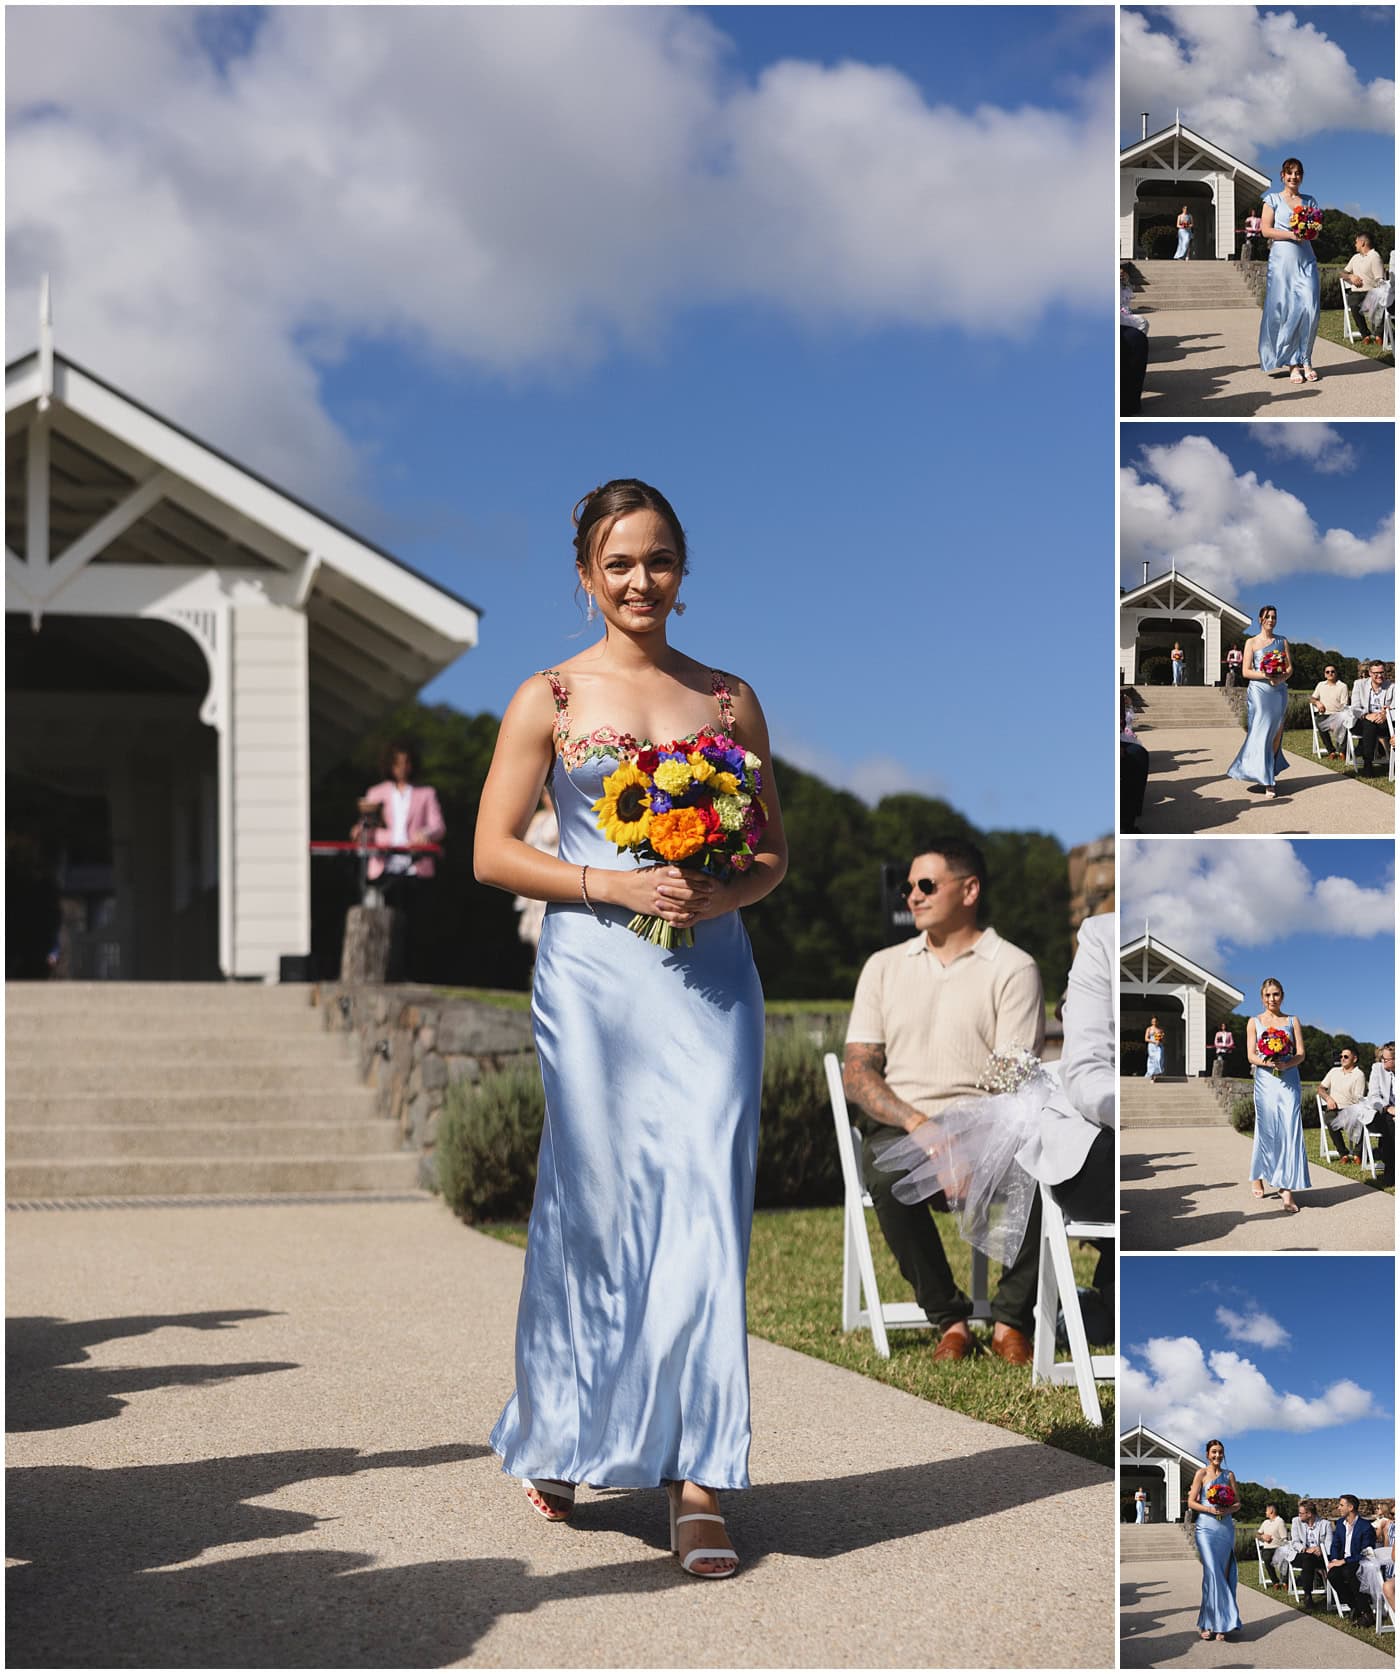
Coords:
pixel 1351 1535
pixel 1329 698
pixel 1341 1091
pixel 1074 1150
pixel 1380 1095
pixel 1133 766
pixel 1363 275
pixel 1273 1537
pixel 1309 1539
pixel 1374 700
pixel 927 1015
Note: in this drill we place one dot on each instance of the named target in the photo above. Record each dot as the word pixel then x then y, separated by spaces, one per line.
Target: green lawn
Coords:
pixel 795 1300
pixel 1329 325
pixel 1300 743
pixel 1249 1577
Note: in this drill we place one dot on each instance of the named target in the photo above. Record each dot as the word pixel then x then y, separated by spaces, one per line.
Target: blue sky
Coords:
pixel 1235 1336
pixel 1298 515
pixel 1317 913
pixel 1231 69
pixel 722 266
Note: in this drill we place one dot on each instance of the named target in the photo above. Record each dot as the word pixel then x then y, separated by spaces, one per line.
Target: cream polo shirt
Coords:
pixel 939 1023
pixel 1333 695
pixel 1370 269
pixel 1346 1086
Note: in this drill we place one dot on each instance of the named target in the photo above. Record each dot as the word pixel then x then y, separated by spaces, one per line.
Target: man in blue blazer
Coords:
pixel 1351 1535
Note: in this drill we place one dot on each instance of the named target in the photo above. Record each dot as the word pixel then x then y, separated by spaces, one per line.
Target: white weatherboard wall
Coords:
pixel 271 785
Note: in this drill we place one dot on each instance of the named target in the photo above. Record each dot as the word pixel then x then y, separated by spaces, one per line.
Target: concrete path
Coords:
pixel 1188 791
pixel 1188 1189
pixel 256 1436
pixel 1159 1603
pixel 1204 363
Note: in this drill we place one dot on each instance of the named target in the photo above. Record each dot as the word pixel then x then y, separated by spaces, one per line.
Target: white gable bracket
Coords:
pixel 101 535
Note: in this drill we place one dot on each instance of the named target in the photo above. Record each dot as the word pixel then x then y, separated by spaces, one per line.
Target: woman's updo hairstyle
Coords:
pixel 1270 982
pixel 1214 1442
pixel 1290 163
pixel 598 510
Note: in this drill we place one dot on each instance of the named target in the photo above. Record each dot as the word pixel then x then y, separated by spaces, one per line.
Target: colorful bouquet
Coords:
pixel 1306 221
pixel 1221 1495
pixel 1273 1044
pixel 684 804
pixel 1271 663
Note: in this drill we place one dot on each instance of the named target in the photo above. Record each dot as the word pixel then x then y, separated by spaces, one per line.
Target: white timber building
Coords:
pixel 1188 1001
pixel 1147 1460
pixel 1160 172
pixel 187 645
pixel 1172 608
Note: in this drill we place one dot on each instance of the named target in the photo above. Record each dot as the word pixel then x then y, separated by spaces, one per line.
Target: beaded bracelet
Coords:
pixel 583 890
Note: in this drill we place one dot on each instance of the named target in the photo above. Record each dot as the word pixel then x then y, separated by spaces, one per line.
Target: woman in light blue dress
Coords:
pixel 1279 1156
pixel 631 1363
pixel 1154 1038
pixel 1215 1547
pixel 1183 236
pixel 1261 758
pixel 1140 1506
pixel 1288 325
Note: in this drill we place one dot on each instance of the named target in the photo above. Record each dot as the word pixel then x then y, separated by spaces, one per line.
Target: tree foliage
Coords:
pixel 810 937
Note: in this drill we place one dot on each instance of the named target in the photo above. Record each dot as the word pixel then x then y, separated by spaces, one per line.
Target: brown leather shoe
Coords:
pixel 1011 1345
pixel 953 1345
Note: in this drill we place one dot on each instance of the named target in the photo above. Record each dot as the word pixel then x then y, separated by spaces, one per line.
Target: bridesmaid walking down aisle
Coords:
pixel 1279 1155
pixel 631 1357
pixel 1288 326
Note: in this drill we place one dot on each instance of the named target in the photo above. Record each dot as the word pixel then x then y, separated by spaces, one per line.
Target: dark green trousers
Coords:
pixel 912 1235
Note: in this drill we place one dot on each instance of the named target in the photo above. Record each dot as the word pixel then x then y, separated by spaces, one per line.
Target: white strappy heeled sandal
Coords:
pixel 556 1491
pixel 691 1558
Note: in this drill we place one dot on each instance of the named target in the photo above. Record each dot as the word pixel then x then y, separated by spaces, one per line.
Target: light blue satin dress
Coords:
pixel 631 1348
pixel 1154 1058
pixel 1215 1543
pixel 1183 244
pixel 1266 707
pixel 1288 325
pixel 1279 1156
pixel 1140 1511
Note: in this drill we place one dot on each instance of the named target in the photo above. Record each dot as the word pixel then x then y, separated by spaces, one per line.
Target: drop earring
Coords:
pixel 679 607
pixel 592 607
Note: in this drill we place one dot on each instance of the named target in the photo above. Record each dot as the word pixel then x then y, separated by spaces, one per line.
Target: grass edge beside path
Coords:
pixel 1299 743
pixel 794 1300
pixel 1249 1577
pixel 1329 326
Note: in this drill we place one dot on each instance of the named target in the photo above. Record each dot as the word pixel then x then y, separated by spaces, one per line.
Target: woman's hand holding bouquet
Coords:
pixel 1273 1045
pixel 1271 664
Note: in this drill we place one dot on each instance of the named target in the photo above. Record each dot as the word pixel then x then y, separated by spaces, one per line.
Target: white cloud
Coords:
pixel 1320 445
pixel 1223 67
pixel 1231 531
pixel 1190 1396
pixel 869 778
pixel 1201 897
pixel 524 189
pixel 1255 1326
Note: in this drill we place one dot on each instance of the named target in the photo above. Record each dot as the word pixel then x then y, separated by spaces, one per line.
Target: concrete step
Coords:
pixel 186 1077
pixel 162 1141
pixel 186 1177
pixel 208 1105
pixel 1143 1542
pixel 165 1000
pixel 104 1035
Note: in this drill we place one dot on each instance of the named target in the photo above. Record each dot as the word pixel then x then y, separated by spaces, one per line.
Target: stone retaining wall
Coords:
pixel 413 1043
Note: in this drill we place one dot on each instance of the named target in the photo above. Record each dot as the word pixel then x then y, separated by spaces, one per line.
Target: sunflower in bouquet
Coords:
pixel 692 803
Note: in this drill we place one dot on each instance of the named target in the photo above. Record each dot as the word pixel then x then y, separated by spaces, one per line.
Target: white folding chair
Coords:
pixel 1266 1571
pixel 1331 1598
pixel 1387 319
pixel 858 1263
pixel 1368 1155
pixel 1351 333
pixel 1057 1289
pixel 1319 749
pixel 1291 1576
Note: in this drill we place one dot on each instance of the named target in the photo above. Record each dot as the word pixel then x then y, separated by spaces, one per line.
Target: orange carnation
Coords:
pixel 677 834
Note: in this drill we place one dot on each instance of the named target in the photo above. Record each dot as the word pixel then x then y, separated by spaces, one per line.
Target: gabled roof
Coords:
pixel 1140 1432
pixel 1177 132
pixel 1173 580
pixel 1150 944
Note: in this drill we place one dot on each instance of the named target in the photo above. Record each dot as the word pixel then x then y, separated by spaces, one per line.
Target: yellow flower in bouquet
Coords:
pixel 700 769
pixel 673 777
pixel 678 834
pixel 624 809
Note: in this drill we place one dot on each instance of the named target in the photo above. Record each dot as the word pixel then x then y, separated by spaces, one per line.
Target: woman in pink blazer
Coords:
pixel 410 814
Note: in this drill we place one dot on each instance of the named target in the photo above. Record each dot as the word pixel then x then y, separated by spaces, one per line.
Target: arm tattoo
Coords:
pixel 863 1076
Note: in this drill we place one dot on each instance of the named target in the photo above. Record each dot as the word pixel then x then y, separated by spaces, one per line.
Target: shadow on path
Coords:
pixel 47 1387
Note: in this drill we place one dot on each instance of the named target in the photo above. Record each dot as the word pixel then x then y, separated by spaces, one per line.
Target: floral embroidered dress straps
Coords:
pixel 719 685
pixel 561 709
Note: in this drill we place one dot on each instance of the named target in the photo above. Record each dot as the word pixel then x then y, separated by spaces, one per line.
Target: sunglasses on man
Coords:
pixel 930 886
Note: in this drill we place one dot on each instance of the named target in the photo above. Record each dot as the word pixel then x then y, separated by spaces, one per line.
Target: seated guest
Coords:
pixel 1377 697
pixel 1273 1537
pixel 927 1015
pixel 1351 1535
pixel 1329 698
pixel 1132 351
pixel 1380 1095
pixel 1306 1549
pixel 1074 1150
pixel 1342 1090
pixel 1133 764
pixel 1363 275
